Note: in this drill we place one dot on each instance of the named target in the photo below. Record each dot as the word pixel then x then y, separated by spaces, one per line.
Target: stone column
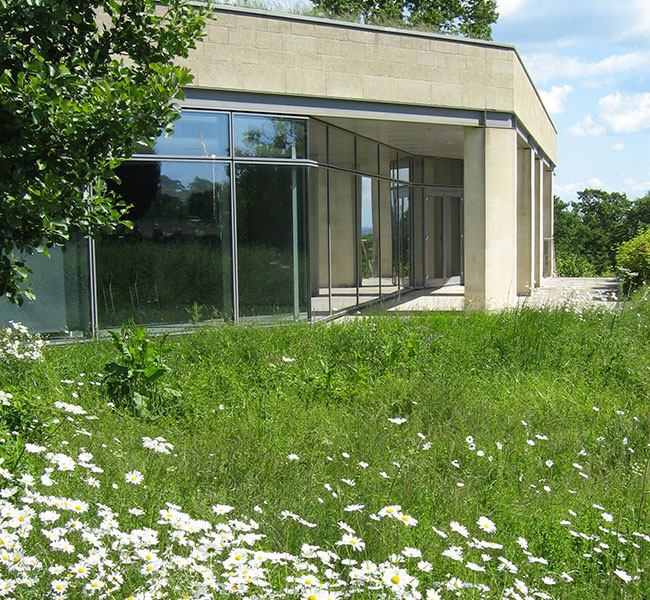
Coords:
pixel 490 216
pixel 525 220
pixel 539 221
pixel 549 226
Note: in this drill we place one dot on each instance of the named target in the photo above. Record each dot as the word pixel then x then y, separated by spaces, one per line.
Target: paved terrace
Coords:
pixel 555 291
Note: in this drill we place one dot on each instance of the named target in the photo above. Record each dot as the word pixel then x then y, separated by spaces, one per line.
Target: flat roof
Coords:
pixel 410 32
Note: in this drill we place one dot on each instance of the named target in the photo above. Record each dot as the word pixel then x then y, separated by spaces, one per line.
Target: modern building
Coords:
pixel 319 165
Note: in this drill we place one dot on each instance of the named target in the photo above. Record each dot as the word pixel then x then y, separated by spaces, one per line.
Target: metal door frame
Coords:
pixel 431 192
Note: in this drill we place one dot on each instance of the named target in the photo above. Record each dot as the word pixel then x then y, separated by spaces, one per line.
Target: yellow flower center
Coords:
pixel 395 579
pixel 311 597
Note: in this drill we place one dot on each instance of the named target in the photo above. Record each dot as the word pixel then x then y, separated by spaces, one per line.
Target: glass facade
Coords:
pixel 175 265
pixel 61 284
pixel 272 261
pixel 240 216
pixel 259 136
pixel 196 133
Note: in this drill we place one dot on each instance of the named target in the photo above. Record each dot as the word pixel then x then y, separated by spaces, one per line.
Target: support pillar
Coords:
pixel 490 216
pixel 525 221
pixel 539 221
pixel 549 226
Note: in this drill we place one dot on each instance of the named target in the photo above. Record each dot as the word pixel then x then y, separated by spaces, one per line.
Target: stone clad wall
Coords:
pixel 531 113
pixel 274 54
pixel 270 53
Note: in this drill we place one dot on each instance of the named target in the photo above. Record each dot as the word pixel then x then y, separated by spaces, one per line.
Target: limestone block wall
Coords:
pixel 530 111
pixel 273 53
pixel 255 51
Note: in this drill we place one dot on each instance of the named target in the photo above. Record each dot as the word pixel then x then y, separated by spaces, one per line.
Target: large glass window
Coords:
pixel 387 158
pixel 389 284
pixel 196 133
pixel 174 266
pixel 369 251
pixel 317 141
pixel 272 241
pixel 319 242
pixel 341 149
pixel 343 228
pixel 61 285
pixel 270 137
pixel 367 156
pixel 447 171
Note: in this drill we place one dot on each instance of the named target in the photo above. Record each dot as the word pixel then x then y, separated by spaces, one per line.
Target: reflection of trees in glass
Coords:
pixel 178 254
pixel 265 238
pixel 401 234
pixel 271 137
pixel 405 239
pixel 139 185
pixel 157 197
pixel 264 215
pixel 368 258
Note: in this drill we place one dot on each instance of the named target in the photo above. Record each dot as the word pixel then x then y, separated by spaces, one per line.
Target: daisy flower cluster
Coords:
pixel 16 342
pixel 63 548
pixel 79 519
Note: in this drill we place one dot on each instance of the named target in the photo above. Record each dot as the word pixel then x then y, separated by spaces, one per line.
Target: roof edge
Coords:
pixel 272 14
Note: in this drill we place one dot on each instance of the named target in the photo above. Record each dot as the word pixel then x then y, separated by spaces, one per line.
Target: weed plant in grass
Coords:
pixel 473 455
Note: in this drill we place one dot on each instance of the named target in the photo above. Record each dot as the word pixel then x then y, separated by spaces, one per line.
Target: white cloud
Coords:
pixel 629 186
pixel 554 100
pixel 570 189
pixel 508 7
pixel 586 127
pixel 640 12
pixel 626 114
pixel 545 67
pixel 634 187
pixel 618 147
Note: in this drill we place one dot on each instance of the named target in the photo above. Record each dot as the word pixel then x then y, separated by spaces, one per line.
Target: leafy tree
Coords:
pixel 82 82
pixel 569 233
pixel 588 233
pixel 472 18
pixel 633 259
pixel 638 217
pixel 603 216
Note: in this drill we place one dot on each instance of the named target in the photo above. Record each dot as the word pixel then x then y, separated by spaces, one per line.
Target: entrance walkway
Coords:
pixel 555 291
pixel 590 291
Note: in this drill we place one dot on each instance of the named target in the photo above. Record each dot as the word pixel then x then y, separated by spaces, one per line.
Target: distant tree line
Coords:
pixel 469 18
pixel 589 232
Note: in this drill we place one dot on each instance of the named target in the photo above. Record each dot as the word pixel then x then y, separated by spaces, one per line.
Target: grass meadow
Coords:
pixel 442 455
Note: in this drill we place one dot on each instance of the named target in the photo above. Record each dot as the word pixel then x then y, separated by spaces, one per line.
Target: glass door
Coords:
pixel 443 237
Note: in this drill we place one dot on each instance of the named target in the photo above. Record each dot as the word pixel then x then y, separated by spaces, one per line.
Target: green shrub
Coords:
pixel 135 381
pixel 574 265
pixel 633 261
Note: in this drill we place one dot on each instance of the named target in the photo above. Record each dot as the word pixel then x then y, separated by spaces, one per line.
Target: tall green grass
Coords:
pixel 489 400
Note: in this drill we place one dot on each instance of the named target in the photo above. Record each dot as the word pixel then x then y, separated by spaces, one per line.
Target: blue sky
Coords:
pixel 590 61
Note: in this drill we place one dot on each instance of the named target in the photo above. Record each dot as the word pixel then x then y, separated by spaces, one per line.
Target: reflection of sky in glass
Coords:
pixel 196 134
pixel 366 205
pixel 186 172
